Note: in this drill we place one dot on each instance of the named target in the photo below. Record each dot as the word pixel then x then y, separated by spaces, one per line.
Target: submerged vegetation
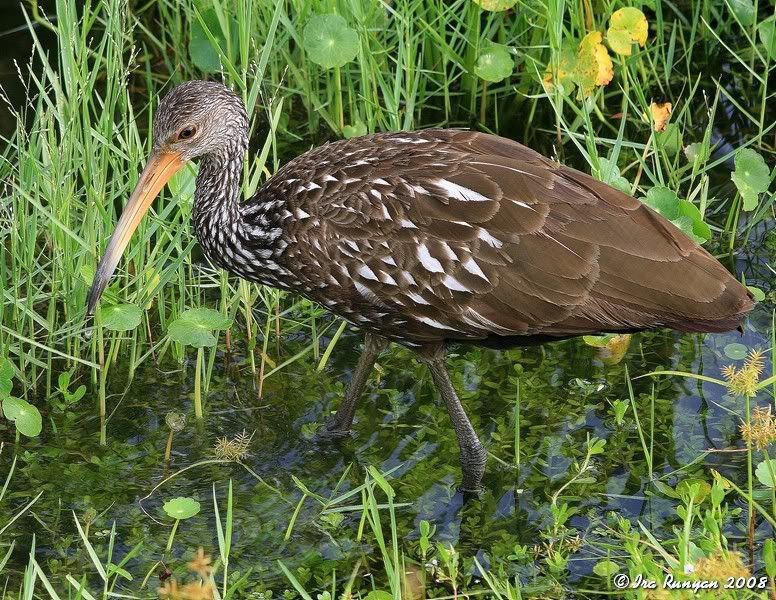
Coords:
pixel 648 458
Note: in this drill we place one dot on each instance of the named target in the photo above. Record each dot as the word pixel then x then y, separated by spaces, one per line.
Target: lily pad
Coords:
pixel 682 213
pixel 329 42
pixel 194 327
pixel 736 351
pixel 181 508
pixel 605 568
pixel 594 65
pixel 203 53
pixel 494 63
pixel 751 176
pixel 121 317
pixel 627 25
pixel 763 473
pixel 609 172
pixel 24 415
pixel 495 5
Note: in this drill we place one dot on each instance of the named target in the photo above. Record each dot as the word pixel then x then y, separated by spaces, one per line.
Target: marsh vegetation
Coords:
pixel 169 443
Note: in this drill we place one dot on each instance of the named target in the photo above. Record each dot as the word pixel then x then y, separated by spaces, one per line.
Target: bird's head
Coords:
pixel 195 119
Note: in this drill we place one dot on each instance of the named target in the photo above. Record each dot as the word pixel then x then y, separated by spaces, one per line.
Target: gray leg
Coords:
pixel 473 453
pixel 340 424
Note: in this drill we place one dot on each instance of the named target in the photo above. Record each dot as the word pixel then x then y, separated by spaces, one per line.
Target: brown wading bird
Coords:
pixel 429 238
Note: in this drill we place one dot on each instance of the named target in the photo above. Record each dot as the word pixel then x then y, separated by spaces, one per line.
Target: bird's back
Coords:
pixel 457 235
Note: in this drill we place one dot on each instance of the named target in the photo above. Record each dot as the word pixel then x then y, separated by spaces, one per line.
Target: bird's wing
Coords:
pixel 469 235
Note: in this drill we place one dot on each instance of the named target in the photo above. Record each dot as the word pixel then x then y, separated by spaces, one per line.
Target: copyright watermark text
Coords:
pixel 669 582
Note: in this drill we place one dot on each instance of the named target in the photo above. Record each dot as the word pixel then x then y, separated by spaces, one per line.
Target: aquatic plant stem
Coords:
pixel 517 424
pixel 103 375
pixel 172 536
pixel 749 482
pixel 168 448
pixel 198 384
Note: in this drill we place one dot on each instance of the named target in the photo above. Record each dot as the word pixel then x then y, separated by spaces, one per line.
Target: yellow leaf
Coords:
pixel 615 349
pixel 496 5
pixel 594 66
pixel 268 359
pixel 564 77
pixel 610 349
pixel 626 26
pixel 661 112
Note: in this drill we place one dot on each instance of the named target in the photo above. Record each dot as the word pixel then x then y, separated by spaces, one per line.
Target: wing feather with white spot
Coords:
pixel 457 235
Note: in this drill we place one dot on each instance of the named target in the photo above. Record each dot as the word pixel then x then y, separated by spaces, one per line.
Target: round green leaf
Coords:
pixel 202 51
pixel 703 489
pixel 751 176
pixel 597 341
pixel 626 26
pixel 605 568
pixel 767 32
pixel 682 213
pixel 494 63
pixel 495 5
pixel 181 508
pixel 121 317
pixel 736 351
pixel 190 334
pixel 664 201
pixel 207 318
pixel 670 139
pixel 763 473
pixel 378 595
pixel 329 42
pixel 699 230
pixel 609 172
pixel 24 415
pixel 744 10
pixel 356 130
pixel 194 327
pixel 758 294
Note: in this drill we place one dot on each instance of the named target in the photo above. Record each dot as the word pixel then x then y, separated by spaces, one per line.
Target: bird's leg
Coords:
pixel 473 453
pixel 340 424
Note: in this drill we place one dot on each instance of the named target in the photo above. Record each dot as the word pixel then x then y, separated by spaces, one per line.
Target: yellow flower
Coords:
pixel 760 432
pixel 200 564
pixel 743 381
pixel 200 590
pixel 720 566
pixel 235 449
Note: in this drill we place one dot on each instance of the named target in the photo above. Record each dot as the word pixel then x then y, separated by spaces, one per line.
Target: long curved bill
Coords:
pixel 161 166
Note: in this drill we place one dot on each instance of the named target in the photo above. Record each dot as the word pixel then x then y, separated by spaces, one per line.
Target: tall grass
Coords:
pixel 82 138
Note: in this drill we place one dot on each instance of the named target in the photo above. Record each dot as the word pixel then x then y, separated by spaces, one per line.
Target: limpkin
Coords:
pixel 429 238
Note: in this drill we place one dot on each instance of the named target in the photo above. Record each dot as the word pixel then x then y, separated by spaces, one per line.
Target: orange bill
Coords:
pixel 161 166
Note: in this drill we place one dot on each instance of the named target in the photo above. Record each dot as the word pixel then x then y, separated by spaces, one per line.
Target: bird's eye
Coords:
pixel 187 133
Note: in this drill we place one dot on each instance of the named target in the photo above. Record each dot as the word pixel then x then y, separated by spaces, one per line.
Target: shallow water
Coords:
pixel 565 395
